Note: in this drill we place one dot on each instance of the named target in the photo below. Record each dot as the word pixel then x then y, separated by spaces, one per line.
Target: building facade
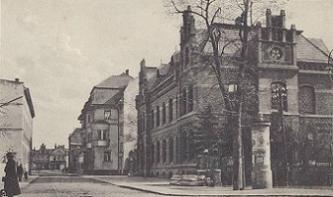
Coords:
pixel 292 90
pixel 16 121
pixel 102 126
pixel 40 158
pixel 75 152
pixel 50 159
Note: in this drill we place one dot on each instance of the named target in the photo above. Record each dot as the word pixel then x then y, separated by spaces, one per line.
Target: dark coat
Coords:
pixel 12 186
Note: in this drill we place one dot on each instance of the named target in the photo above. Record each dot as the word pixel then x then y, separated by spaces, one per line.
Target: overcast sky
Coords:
pixel 62 48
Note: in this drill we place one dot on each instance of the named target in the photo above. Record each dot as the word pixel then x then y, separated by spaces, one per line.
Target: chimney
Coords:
pixel 127 72
pixel 17 80
pixel 158 73
pixel 283 18
pixel 268 18
pixel 143 63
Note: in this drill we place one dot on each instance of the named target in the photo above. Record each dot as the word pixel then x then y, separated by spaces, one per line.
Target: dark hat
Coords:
pixel 9 154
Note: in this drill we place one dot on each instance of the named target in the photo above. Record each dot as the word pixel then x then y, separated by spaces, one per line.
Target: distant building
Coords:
pixel 16 121
pixel 58 158
pixel 103 124
pixel 50 159
pixel 75 152
pixel 40 158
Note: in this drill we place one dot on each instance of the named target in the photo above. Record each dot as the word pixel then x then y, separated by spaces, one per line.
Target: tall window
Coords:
pixel 183 102
pixel 187 56
pixel 158 149
pixel 107 114
pixel 152 119
pixel 143 119
pixel 163 113
pixel 170 110
pixel 157 116
pixel 171 149
pixel 102 134
pixel 152 153
pixel 307 101
pixel 279 99
pixel 190 98
pixel 183 143
pixel 164 151
pixel 107 156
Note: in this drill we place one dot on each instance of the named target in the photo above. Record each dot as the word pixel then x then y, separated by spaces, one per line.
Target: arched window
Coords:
pixel 306 99
pixel 279 96
pixel 164 151
pixel 171 149
pixel 158 150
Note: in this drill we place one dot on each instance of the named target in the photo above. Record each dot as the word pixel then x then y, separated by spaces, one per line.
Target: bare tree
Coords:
pixel 212 14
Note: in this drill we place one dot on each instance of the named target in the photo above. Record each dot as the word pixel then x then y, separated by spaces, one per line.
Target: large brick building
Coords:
pixel 173 97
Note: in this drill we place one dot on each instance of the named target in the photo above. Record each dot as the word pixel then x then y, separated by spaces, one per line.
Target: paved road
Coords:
pixel 73 186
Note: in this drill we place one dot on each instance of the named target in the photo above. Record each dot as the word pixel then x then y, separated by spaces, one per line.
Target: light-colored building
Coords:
pixel 103 125
pixel 16 120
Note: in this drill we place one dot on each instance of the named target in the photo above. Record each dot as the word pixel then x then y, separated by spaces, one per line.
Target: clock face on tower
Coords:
pixel 275 53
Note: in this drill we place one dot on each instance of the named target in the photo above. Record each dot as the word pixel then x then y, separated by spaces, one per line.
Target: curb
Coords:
pixel 29 182
pixel 210 195
pixel 140 189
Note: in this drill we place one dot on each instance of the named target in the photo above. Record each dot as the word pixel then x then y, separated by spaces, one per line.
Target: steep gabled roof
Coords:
pixel 311 50
pixel 115 81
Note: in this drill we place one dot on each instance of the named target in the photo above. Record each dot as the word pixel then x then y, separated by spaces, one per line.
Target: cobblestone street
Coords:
pixel 72 186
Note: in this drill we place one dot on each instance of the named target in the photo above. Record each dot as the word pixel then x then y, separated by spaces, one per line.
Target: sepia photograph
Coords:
pixel 148 98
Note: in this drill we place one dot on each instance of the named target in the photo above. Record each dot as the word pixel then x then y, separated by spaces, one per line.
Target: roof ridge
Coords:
pixel 317 47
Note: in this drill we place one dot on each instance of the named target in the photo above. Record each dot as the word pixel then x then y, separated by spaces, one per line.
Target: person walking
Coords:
pixel 11 185
pixel 20 172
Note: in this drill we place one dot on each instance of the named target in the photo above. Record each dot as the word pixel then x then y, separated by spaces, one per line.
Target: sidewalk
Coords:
pixel 162 187
pixel 23 183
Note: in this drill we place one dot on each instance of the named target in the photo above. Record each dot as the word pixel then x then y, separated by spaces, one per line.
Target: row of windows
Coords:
pixel 101 134
pixel 184 147
pixel 107 116
pixel 279 98
pixel 159 116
